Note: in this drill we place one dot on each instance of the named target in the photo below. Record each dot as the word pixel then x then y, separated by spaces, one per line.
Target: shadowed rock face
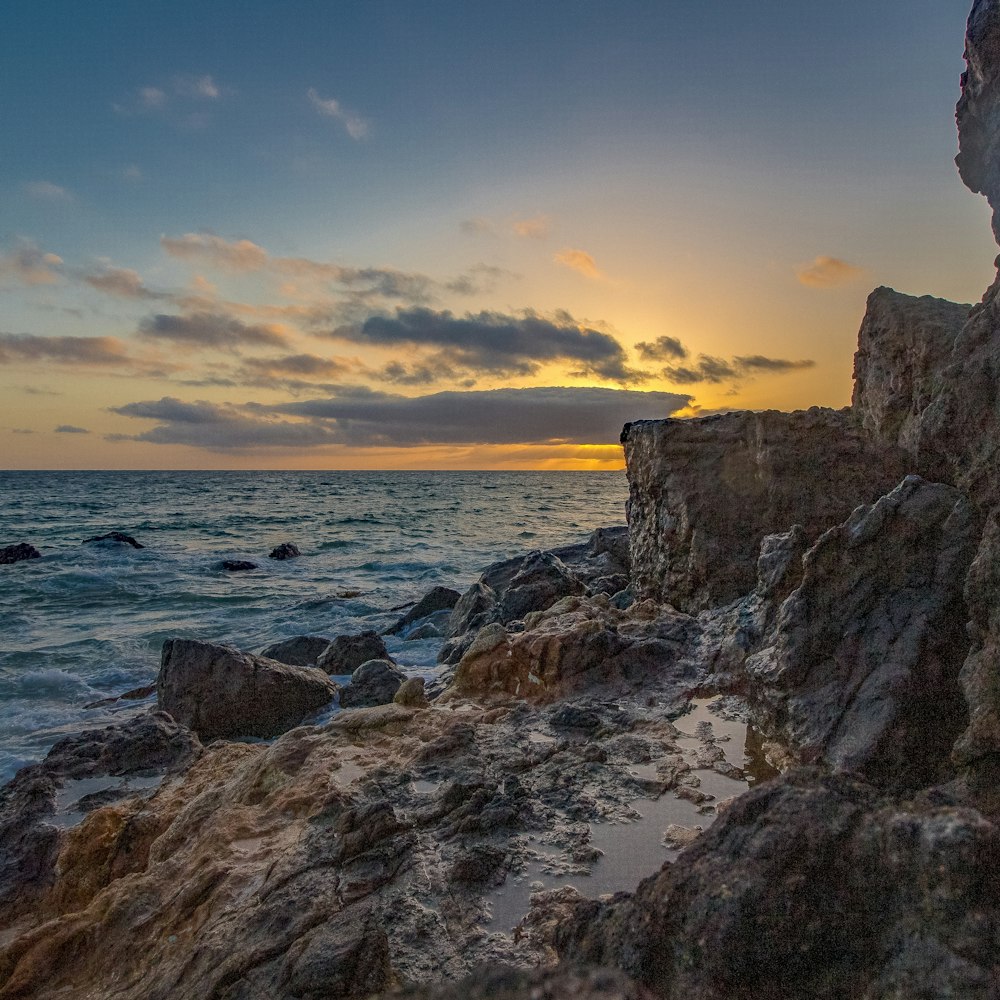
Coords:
pixel 703 493
pixel 815 887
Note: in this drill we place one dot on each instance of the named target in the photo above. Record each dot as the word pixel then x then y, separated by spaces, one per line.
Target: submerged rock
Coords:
pixel 18 553
pixel 286 550
pixel 373 683
pixel 345 653
pixel 299 651
pixel 118 537
pixel 221 691
pixel 237 565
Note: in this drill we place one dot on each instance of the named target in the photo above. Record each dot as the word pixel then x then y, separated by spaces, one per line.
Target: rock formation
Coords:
pixel 347 652
pixel 18 553
pixel 220 691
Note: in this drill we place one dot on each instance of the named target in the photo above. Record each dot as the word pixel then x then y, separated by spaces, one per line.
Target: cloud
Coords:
pixel 553 415
pixel 132 173
pixel 27 264
pixel 828 272
pixel 121 282
pixel 536 228
pixel 495 342
pixel 299 364
pixel 107 351
pixel 197 87
pixel 477 226
pixel 715 370
pixel 779 366
pixel 70 429
pixel 210 330
pixel 228 255
pixel 579 260
pixel 357 128
pixel 21 430
pixel 661 349
pixel 47 191
pixel 152 98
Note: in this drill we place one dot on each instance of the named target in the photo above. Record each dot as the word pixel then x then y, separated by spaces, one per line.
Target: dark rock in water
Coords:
pixel 237 565
pixel 29 843
pixel 18 553
pixel 286 550
pixel 135 694
pixel 299 651
pixel 811 886
pixel 115 536
pixel 221 691
pixel 432 627
pixel 436 599
pixel 472 609
pixel 373 683
pixel 863 671
pixel 347 652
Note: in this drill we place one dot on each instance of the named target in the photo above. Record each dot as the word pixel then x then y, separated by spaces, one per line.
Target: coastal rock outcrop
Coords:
pixel 221 691
pixel 862 671
pixel 18 553
pixel 114 537
pixel 345 653
pixel 375 682
pixel 237 565
pixel 436 599
pixel 286 550
pixel 811 886
pixel 704 492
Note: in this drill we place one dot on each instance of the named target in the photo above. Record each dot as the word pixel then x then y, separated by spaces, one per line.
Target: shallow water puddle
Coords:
pixel 68 798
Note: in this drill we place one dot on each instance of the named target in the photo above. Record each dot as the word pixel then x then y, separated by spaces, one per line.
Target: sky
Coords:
pixel 390 234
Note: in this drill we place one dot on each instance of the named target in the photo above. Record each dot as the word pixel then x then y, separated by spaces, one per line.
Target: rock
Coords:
pixel 237 565
pixel 978 159
pixel 299 651
pixel 609 585
pixel 574 645
pixel 286 550
pixel 472 609
pixel 221 691
pixel 704 492
pixel 347 652
pixel 115 536
pixel 810 886
pixel 436 599
pixel 904 345
pixel 373 683
pixel 613 542
pixel 863 671
pixel 29 842
pixel 430 628
pixel 18 553
pixel 540 580
pixel 134 694
pixel 411 693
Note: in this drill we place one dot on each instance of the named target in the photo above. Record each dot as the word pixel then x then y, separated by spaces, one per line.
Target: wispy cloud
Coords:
pixel 536 228
pixel 228 255
pixel 151 98
pixel 28 264
pixel 47 191
pixel 581 261
pixel 132 173
pixel 714 370
pixel 121 282
pixel 356 126
pixel 211 330
pixel 828 272
pixel 662 349
pixel 71 429
pixel 96 351
pixel 203 87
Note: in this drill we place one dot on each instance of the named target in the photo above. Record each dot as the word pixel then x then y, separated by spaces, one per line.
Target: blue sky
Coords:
pixel 732 176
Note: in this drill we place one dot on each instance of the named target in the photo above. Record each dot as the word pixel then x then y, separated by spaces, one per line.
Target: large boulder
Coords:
pixel 862 672
pixel 373 683
pixel 811 886
pixel 221 691
pixel 703 493
pixel 347 652
pixel 299 651
pixel 18 553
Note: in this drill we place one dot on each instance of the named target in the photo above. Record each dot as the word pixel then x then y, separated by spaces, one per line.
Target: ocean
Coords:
pixel 87 622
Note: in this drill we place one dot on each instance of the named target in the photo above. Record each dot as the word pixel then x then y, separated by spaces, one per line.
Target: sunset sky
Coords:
pixel 456 234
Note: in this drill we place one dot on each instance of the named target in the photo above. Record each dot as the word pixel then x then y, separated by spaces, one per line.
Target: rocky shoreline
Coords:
pixel 774 698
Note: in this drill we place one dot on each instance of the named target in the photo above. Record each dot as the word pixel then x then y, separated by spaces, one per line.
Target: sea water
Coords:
pixel 87 621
